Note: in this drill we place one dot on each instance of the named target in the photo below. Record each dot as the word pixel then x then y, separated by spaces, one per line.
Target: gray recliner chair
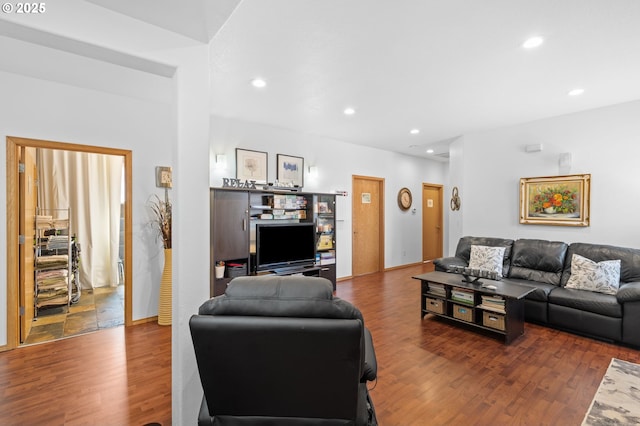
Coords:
pixel 283 351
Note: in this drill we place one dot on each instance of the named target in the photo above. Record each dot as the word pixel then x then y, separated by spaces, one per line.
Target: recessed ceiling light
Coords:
pixel 533 42
pixel 429 151
pixel 414 131
pixel 258 82
pixel 349 111
pixel 576 92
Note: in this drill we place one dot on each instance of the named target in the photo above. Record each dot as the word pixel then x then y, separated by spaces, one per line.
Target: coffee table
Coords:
pixel 499 309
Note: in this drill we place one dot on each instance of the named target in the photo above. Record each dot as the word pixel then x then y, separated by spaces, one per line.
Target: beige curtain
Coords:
pixel 90 186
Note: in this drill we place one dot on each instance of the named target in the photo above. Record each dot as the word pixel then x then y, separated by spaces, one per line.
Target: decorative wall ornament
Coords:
pixel 455 199
pixel 555 200
pixel 405 199
pixel 163 177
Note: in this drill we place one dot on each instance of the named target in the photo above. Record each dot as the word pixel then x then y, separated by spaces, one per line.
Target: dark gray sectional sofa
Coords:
pixel 546 266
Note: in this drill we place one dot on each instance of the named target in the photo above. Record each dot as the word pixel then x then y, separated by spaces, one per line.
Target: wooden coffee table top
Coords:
pixel 503 287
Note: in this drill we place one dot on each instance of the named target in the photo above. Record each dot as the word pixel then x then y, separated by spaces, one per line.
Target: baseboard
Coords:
pixel 407 265
pixel 349 277
pixel 145 320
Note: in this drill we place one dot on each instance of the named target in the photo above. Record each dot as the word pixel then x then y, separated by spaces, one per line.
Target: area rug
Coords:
pixel 617 401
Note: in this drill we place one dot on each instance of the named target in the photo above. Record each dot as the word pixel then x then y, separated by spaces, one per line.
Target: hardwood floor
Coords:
pixel 116 376
pixel 429 371
pixel 434 372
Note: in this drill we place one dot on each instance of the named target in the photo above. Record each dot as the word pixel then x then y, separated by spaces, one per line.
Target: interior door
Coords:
pixel 431 221
pixel 27 182
pixel 368 225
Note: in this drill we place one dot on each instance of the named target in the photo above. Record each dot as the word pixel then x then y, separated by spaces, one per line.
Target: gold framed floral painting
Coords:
pixel 555 200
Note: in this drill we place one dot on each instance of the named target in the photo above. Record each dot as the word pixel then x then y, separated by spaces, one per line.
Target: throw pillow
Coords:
pixel 602 277
pixel 487 258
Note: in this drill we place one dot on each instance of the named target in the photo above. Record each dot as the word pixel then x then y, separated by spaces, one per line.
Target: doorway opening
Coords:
pixel 37 217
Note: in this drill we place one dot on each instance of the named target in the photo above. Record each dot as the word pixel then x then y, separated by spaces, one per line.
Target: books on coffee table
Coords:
pixel 462 296
pixel 493 303
pixel 437 290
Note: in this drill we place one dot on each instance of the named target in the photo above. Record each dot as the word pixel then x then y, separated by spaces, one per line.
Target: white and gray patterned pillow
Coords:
pixel 603 277
pixel 487 258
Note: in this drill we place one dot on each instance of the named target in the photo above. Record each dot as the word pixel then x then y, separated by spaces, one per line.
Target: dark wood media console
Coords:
pixel 236 214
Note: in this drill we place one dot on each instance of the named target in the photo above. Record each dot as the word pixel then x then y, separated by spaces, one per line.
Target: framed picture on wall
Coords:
pixel 251 165
pixel 555 200
pixel 290 170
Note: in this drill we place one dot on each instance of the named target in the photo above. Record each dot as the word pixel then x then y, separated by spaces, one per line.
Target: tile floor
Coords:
pixel 98 308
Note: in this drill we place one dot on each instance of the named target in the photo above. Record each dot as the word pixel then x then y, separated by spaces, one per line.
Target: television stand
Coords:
pixel 310 270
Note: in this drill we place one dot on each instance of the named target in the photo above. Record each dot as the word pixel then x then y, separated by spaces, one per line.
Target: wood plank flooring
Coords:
pixel 116 376
pixel 431 372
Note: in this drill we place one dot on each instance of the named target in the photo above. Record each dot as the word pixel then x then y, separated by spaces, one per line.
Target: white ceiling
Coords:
pixel 447 67
pixel 197 19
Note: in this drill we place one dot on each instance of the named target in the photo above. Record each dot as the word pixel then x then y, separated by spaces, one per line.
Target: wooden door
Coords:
pixel 432 236
pixel 368 225
pixel 27 182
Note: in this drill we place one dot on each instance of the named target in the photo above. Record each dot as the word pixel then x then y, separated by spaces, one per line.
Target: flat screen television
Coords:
pixel 282 245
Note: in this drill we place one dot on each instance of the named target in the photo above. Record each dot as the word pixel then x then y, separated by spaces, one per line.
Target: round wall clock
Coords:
pixel 404 199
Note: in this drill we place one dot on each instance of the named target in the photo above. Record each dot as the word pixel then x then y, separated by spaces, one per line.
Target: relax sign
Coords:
pixel 237 183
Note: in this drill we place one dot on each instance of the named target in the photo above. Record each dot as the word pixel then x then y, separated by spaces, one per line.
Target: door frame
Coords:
pixel 381 228
pixel 440 189
pixel 13 206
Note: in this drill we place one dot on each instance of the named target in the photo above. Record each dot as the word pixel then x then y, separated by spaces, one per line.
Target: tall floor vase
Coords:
pixel 164 306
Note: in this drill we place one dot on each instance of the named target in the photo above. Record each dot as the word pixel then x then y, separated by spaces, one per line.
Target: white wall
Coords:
pixel 603 142
pixel 128 99
pixel 191 224
pixel 337 162
pixel 453 225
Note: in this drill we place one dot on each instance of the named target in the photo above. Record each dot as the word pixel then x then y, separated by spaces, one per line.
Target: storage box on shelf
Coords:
pixel 464 313
pixel 435 305
pixel 493 320
pixel 234 269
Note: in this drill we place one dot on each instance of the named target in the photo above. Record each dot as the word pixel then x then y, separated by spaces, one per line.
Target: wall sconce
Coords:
pixel 221 161
pixel 536 147
pixel 313 171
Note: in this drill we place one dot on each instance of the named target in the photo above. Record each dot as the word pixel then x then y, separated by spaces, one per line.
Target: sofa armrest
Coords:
pixel 370 363
pixel 444 263
pixel 629 292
